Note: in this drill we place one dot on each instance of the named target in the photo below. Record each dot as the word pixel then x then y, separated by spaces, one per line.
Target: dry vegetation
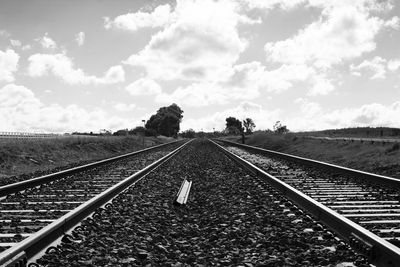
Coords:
pixel 376 157
pixel 23 156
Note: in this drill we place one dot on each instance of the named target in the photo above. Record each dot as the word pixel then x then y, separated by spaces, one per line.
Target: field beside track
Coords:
pixel 40 156
pixel 376 157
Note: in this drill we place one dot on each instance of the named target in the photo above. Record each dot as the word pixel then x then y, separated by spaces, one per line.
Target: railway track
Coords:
pixel 37 211
pixel 231 219
pixel 371 202
pixel 236 214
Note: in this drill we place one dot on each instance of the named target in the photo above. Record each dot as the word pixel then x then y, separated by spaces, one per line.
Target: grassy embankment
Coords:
pixel 376 157
pixel 26 156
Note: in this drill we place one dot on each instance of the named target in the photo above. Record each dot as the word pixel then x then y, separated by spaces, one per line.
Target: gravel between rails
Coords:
pixel 231 219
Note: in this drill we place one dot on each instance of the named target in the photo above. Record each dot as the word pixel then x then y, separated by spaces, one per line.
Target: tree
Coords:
pixel 121 132
pixel 233 125
pixel 249 125
pixel 166 121
pixel 137 130
pixel 190 133
pixel 279 128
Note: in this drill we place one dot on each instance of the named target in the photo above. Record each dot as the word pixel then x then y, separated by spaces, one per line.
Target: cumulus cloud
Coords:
pixel 246 82
pixel 26 47
pixel 342 32
pixel 62 67
pixel 272 4
pixel 311 116
pixel 80 38
pixel 308 108
pixel 47 42
pixel 263 118
pixel 135 21
pixel 373 115
pixel 320 85
pixel 21 110
pixel 393 23
pixel 123 107
pixel 15 43
pixel 393 64
pixel 376 66
pixel 200 43
pixel 8 65
pixel 144 86
pixel 4 33
pixel 195 95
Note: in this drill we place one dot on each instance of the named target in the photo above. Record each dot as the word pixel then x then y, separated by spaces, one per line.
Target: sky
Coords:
pixel 99 64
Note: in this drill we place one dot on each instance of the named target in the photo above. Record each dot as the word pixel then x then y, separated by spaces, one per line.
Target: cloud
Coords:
pixel 195 95
pixel 26 47
pixel 272 4
pixel 320 85
pixel 144 86
pixel 199 44
pixel 373 115
pixel 393 23
pixel 62 67
pixel 8 65
pixel 21 110
pixel 15 43
pixel 263 118
pixel 342 32
pixel 4 33
pixel 250 78
pixel 123 107
pixel 47 42
pixel 312 116
pixel 246 82
pixel 393 64
pixel 308 108
pixel 376 66
pixel 80 38
pixel 135 21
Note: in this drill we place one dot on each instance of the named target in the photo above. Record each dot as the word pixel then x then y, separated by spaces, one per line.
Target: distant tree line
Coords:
pixel 358 132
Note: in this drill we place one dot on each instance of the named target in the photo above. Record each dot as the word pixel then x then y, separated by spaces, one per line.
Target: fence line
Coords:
pixel 27 135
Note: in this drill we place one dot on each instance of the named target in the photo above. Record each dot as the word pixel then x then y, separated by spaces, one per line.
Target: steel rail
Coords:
pixel 19 254
pixel 379 251
pixel 375 178
pixel 19 186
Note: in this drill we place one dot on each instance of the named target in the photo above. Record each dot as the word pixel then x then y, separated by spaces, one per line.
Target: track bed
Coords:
pixel 231 218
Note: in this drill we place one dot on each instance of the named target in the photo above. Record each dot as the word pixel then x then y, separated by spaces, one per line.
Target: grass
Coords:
pixel 22 156
pixel 375 157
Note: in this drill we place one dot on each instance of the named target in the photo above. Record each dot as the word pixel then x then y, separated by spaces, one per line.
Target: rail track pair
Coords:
pixel 37 223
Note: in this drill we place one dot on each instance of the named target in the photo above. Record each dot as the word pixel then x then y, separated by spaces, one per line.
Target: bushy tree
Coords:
pixel 190 133
pixel 233 125
pixel 137 130
pixel 279 128
pixel 121 132
pixel 249 125
pixel 166 121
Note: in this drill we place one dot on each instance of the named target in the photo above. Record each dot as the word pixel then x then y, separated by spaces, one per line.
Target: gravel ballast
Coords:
pixel 231 219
